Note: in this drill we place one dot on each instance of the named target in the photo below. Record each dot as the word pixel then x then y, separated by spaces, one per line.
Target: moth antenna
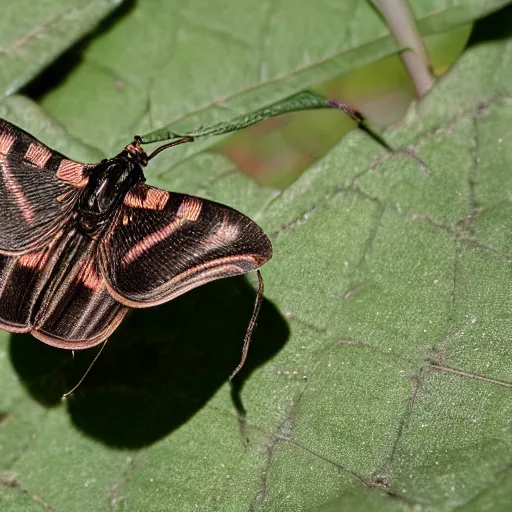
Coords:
pixel 252 325
pixel 170 145
pixel 74 388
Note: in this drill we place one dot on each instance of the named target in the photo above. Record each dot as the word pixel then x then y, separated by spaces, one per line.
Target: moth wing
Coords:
pixel 73 309
pixel 163 244
pixel 38 189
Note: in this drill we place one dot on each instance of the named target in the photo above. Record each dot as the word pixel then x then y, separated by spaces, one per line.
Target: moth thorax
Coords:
pixel 108 184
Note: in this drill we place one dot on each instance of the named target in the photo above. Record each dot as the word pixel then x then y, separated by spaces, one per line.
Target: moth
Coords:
pixel 81 243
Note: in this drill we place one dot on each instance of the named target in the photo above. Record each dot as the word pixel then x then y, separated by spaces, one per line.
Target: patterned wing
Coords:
pixel 163 244
pixel 58 295
pixel 38 189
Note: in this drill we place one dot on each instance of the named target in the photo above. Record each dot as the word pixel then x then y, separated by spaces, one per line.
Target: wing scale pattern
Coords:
pixel 73 258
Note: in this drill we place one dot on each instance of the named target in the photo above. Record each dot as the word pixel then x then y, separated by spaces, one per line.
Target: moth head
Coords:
pixel 134 151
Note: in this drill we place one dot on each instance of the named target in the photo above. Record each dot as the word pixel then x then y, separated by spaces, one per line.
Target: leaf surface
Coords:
pixel 33 34
pixel 379 377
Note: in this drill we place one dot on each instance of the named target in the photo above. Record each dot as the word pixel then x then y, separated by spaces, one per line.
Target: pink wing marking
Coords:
pixel 34 259
pixel 38 155
pixel 154 199
pixel 73 173
pixel 190 208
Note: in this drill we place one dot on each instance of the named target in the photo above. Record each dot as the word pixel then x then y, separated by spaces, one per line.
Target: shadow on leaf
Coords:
pixel 159 367
pixel 59 70
pixel 493 27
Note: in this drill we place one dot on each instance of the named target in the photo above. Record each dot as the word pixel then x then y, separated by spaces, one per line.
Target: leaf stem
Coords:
pixel 401 23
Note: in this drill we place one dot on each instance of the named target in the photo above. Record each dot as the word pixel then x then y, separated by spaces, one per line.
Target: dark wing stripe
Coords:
pixel 96 306
pixel 63 272
pixel 100 326
pixel 186 281
pixel 76 309
pixel 7 267
pixel 89 318
pixel 19 288
pixel 212 270
pixel 150 240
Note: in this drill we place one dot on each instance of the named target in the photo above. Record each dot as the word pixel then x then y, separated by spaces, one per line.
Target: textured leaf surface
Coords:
pixel 394 380
pixel 379 377
pixel 188 64
pixel 33 34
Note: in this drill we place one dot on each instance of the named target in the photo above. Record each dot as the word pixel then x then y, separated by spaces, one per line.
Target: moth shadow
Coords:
pixel 160 366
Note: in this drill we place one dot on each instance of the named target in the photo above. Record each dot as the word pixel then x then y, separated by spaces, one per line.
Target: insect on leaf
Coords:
pixel 82 243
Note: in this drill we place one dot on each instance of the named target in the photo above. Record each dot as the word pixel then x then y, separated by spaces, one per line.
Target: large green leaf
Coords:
pixel 33 34
pixel 390 379
pixel 379 376
pixel 197 62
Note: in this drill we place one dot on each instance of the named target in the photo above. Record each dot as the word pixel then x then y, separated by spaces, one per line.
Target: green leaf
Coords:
pixel 301 101
pixel 188 64
pixel 379 377
pixel 33 34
